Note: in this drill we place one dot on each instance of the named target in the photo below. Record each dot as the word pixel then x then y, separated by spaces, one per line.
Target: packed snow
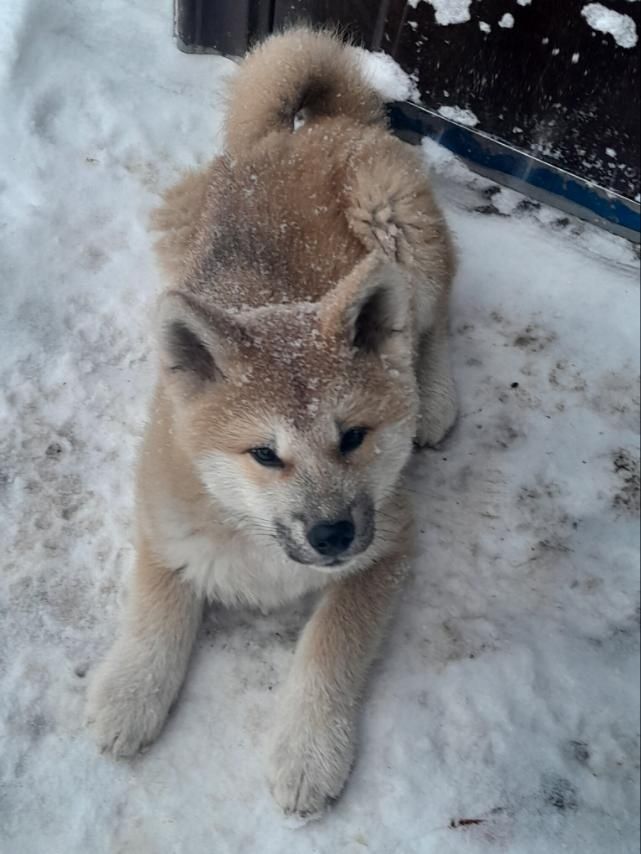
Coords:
pixel 448 11
pixel 459 115
pixel 503 715
pixel 387 76
pixel 622 28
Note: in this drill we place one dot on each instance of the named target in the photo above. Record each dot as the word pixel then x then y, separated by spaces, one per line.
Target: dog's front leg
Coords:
pixel 133 689
pixel 438 406
pixel 313 745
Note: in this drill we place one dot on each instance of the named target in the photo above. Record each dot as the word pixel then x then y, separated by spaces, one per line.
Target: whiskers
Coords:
pixel 257 529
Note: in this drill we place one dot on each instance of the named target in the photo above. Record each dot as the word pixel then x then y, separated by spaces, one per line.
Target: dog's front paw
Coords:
pixel 124 712
pixel 436 420
pixel 309 767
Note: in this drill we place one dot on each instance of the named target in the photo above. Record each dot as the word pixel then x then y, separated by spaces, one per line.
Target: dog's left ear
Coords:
pixel 370 308
pixel 199 344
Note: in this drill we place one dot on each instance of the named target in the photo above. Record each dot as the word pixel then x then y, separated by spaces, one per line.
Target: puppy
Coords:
pixel 302 351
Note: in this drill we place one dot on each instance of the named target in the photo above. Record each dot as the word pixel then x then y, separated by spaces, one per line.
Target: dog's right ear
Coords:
pixel 370 310
pixel 197 342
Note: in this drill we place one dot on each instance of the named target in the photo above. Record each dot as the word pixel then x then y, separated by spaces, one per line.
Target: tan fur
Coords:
pixel 308 276
pixel 150 656
pixel 178 219
pixel 317 714
pixel 306 71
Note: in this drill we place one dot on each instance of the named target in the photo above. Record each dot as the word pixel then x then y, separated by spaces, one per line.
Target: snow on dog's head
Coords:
pixel 298 418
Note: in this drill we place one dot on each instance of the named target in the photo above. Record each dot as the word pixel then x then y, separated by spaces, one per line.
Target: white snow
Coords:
pixel 508 690
pixel 575 58
pixel 448 11
pixel 622 28
pixel 524 2
pixel 610 152
pixel 507 21
pixel 387 76
pixel 459 115
pixel 485 27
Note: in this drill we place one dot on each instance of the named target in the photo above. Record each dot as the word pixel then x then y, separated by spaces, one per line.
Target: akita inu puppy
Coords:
pixel 303 349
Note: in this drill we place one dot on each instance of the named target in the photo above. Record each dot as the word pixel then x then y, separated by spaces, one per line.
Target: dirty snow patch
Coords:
pixel 459 115
pixel 387 76
pixel 621 27
pixel 507 21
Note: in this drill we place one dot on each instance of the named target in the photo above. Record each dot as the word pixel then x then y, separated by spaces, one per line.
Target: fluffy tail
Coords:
pixel 300 70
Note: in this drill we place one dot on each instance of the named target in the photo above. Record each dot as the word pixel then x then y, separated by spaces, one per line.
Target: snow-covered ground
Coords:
pixel 503 716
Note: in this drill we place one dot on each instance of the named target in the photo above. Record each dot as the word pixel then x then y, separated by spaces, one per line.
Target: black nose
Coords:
pixel 332 538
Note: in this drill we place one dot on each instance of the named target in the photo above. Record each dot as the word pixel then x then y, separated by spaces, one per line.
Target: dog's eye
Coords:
pixel 266 457
pixel 352 439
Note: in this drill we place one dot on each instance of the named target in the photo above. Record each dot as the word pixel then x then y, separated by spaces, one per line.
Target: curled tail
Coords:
pixel 301 69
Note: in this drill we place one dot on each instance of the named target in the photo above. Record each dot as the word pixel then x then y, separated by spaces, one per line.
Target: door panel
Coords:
pixel 531 73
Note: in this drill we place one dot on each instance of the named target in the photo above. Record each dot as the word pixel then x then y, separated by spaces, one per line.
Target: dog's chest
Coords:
pixel 231 568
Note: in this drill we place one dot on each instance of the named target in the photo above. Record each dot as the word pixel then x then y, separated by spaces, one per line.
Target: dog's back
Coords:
pixel 289 210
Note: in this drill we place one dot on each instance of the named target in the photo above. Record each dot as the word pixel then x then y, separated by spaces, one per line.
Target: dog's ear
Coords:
pixel 370 308
pixel 197 343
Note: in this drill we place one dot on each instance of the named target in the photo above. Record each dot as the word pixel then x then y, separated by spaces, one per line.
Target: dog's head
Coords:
pixel 299 418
